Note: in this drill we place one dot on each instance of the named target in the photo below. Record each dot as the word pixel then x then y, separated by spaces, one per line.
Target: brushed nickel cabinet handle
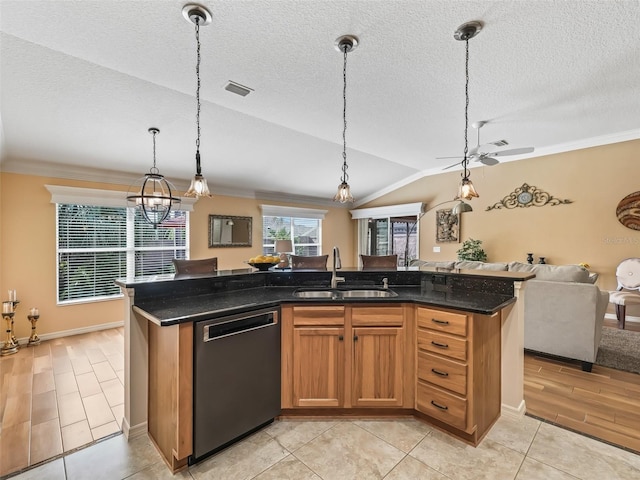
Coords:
pixel 438 372
pixel 439 345
pixel 441 407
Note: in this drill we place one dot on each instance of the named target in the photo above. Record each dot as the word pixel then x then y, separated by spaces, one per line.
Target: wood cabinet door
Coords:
pixel 378 360
pixel 318 366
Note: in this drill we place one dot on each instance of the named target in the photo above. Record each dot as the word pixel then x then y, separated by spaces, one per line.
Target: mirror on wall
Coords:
pixel 229 231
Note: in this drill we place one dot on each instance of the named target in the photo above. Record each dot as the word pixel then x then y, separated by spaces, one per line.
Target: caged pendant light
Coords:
pixel 465 32
pixel 153 194
pixel 199 16
pixel 344 44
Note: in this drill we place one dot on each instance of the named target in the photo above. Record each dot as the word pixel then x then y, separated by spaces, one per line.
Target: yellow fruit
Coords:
pixel 261 259
pixel 252 260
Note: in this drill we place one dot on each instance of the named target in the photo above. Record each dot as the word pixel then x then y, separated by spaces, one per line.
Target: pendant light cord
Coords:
pixel 465 160
pixel 154 169
pixel 345 176
pixel 197 22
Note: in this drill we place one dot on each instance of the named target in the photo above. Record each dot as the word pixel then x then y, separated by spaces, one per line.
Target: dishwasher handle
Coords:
pixel 238 326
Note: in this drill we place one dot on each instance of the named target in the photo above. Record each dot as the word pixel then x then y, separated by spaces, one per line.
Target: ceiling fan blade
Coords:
pixel 446 158
pixel 451 166
pixel 514 151
pixel 489 161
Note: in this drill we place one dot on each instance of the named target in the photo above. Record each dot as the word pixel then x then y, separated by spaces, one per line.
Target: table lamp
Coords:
pixel 282 247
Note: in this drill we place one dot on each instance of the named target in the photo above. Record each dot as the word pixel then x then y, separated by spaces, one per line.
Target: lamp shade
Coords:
pixel 283 246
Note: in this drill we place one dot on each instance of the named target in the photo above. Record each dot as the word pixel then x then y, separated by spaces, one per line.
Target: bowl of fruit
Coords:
pixel 264 262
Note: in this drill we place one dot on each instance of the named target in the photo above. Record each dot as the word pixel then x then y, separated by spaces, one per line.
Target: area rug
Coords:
pixel 619 349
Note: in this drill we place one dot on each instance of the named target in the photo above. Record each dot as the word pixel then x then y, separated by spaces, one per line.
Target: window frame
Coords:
pixel 115 199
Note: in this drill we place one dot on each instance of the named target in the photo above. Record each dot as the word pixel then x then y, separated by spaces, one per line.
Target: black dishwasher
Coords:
pixel 236 378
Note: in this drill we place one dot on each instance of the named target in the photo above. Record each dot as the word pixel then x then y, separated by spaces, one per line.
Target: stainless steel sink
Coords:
pixel 338 294
pixel 315 294
pixel 368 293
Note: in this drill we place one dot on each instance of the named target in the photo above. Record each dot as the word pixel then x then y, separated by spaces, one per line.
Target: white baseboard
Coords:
pixel 628 318
pixel 74 331
pixel 135 431
pixel 509 411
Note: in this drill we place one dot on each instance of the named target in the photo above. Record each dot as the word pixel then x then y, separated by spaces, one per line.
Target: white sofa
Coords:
pixel 563 309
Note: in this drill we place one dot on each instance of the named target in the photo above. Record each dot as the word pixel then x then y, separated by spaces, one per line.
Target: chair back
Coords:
pixel 379 261
pixel 315 262
pixel 187 267
pixel 628 274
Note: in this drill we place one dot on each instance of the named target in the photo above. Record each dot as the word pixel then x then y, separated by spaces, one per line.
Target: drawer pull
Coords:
pixel 440 322
pixel 441 407
pixel 438 372
pixel 439 345
pixel 340 337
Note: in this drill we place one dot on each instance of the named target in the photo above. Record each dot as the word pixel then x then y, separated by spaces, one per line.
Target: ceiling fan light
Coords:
pixel 344 193
pixel 466 190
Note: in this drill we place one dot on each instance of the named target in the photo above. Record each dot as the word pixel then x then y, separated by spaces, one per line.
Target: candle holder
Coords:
pixel 10 345
pixel 34 339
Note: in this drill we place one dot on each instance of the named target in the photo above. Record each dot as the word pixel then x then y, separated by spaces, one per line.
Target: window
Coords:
pixel 99 240
pixel 389 230
pixel 303 226
pixel 97 244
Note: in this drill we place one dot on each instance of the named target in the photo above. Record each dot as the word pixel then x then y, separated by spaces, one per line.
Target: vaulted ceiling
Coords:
pixel 82 81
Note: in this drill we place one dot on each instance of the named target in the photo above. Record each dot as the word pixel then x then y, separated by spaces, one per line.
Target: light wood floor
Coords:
pixel 60 395
pixel 604 404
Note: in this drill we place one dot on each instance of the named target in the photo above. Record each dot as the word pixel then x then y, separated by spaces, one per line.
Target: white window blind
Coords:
pixel 97 244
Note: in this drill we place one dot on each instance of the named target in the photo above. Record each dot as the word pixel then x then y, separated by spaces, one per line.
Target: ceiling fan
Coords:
pixel 478 154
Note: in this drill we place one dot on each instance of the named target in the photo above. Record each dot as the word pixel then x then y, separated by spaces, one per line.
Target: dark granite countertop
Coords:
pixel 169 311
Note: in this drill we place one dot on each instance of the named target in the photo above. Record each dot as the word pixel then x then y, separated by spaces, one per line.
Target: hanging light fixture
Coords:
pixel 465 32
pixel 153 194
pixel 344 44
pixel 199 16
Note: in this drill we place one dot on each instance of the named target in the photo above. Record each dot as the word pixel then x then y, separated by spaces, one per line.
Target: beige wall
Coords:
pixel 28 248
pixel 587 230
pixel 584 231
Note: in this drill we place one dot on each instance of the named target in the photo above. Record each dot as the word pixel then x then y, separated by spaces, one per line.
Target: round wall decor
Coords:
pixel 628 211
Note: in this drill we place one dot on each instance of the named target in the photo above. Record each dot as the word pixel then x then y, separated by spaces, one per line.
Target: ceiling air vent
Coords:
pixel 238 89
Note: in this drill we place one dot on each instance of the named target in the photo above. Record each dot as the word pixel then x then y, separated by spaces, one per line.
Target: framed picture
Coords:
pixel 447 226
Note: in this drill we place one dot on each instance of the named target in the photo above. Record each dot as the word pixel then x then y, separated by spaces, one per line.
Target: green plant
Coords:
pixel 472 250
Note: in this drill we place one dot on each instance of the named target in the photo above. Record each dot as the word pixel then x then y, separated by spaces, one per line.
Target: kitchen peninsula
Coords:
pixel 446 337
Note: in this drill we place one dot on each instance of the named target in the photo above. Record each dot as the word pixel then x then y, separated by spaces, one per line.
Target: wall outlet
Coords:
pixel 436 249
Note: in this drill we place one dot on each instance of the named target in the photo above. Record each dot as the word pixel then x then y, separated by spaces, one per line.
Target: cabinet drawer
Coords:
pixel 443 372
pixel 442 344
pixel 377 316
pixel 318 315
pixel 444 406
pixel 453 323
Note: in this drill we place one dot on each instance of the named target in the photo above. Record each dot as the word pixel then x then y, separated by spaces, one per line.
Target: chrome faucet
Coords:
pixel 385 283
pixel 336 265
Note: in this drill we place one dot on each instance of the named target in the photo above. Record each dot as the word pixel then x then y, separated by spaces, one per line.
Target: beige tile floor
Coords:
pixel 402 449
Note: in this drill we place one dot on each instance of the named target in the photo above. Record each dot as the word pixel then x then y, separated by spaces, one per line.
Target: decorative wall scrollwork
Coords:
pixel 528 196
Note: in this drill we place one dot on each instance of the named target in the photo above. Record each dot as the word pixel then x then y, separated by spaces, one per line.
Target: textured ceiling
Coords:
pixel 82 81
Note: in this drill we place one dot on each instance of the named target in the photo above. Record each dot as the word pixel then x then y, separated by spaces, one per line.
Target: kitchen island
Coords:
pixel 161 311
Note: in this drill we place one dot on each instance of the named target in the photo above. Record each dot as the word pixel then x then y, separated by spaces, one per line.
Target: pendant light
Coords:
pixel 154 197
pixel 344 44
pixel 465 32
pixel 199 16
